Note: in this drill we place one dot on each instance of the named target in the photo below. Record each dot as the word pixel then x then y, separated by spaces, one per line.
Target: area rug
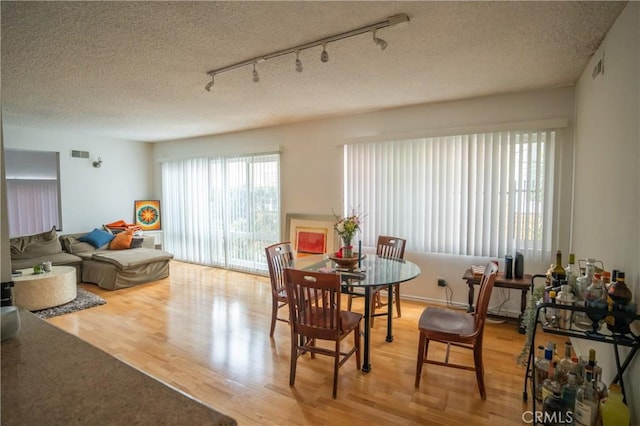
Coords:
pixel 84 300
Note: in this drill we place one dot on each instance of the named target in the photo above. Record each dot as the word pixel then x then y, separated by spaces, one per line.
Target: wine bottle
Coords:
pixel 558 273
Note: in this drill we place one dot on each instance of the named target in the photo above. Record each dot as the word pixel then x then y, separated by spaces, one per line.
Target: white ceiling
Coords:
pixel 137 70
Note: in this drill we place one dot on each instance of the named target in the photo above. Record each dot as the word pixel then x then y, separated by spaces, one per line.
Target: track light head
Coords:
pixel 256 76
pixel 380 42
pixel 324 56
pixel 209 84
pixel 298 62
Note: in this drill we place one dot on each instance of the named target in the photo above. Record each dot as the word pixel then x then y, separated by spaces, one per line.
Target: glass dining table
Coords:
pixel 373 273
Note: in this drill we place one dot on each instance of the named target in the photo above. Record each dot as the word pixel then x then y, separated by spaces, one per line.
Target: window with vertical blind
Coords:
pixel 222 211
pixel 480 194
pixel 33 191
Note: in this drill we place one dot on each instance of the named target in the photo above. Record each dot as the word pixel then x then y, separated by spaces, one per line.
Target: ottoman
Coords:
pixel 41 291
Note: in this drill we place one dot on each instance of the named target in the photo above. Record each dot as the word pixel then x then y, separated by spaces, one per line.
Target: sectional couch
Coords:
pixel 97 260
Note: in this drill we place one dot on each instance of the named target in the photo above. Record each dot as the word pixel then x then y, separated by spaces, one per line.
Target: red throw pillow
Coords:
pixel 122 240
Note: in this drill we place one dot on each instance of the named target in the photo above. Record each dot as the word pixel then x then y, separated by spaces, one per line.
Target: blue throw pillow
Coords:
pixel 97 238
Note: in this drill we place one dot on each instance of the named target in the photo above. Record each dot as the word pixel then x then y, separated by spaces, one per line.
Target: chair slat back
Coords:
pixel 486 287
pixel 314 303
pixel 279 257
pixel 390 247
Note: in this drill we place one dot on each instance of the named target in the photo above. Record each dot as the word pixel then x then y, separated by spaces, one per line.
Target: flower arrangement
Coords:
pixel 346 229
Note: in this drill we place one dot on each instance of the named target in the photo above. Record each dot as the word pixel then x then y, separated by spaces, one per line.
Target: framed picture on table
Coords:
pixel 310 234
pixel 147 214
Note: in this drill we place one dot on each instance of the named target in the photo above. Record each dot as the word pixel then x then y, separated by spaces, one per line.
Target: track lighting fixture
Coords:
pixel 324 56
pixel 209 84
pixel 380 42
pixel 298 62
pixel 256 76
pixel 98 163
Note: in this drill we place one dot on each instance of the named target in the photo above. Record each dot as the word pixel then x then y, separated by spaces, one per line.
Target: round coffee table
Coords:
pixel 41 291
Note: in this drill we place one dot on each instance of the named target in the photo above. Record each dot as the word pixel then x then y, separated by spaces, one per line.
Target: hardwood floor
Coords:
pixel 205 331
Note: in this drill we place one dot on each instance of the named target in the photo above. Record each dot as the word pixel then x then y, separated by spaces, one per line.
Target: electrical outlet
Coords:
pixel 442 282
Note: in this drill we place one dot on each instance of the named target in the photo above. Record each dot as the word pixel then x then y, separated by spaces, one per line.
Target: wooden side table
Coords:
pixel 41 291
pixel 523 284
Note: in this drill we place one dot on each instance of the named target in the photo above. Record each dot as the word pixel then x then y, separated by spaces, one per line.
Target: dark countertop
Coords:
pixel 50 377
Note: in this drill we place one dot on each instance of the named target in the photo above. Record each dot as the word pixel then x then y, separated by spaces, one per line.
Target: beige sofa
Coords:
pixel 31 250
pixel 109 269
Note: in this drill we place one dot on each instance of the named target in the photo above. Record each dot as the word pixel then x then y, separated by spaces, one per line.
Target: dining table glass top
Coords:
pixel 373 271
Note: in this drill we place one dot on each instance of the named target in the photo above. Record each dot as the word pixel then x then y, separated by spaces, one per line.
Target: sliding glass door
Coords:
pixel 222 211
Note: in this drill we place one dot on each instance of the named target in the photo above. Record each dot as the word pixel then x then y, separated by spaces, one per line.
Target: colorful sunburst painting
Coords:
pixel 147 214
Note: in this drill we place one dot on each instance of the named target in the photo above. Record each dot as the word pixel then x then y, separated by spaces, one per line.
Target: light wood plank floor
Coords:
pixel 205 331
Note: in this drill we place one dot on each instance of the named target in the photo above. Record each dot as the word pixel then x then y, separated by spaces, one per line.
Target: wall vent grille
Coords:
pixel 79 154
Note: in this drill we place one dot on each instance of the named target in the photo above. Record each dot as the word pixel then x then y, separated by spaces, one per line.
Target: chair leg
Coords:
pixel 477 358
pixel 422 348
pixel 356 341
pixel 396 289
pixel 294 359
pixel 274 315
pixel 336 365
pixel 349 301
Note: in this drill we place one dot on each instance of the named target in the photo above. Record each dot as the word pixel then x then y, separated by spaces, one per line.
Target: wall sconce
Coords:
pixel 97 163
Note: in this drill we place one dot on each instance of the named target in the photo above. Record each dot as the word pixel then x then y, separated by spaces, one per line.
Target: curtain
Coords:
pixel 222 211
pixel 32 206
pixel 481 194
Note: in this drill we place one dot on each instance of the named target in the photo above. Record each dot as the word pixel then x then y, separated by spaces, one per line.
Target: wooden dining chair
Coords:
pixel 391 248
pixel 279 257
pixel 455 328
pixel 315 314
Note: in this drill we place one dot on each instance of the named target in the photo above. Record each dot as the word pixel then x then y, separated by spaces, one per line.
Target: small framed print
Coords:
pixel 147 214
pixel 310 234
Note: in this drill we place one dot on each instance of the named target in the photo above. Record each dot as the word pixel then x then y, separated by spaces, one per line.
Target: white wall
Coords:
pixel 311 163
pixel 92 196
pixel 607 197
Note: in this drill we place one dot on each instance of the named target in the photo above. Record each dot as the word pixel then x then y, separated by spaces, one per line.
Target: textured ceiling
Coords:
pixel 137 70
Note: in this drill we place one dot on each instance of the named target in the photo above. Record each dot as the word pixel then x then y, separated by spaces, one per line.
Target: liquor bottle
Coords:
pixel 595 291
pixel 583 282
pixel 619 291
pixel 552 312
pixel 566 365
pixel 588 369
pixel 614 411
pixel 542 370
pixel 601 387
pixel 550 384
pixel 554 410
pixel 586 408
pixel 572 272
pixel 569 391
pixel 614 275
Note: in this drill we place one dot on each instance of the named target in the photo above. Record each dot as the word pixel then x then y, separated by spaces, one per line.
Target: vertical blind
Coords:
pixel 480 194
pixel 32 206
pixel 222 211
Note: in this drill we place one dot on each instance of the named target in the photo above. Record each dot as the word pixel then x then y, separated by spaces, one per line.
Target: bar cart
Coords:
pixel 597 334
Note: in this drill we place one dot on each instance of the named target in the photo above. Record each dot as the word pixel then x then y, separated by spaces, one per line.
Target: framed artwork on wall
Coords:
pixel 310 234
pixel 147 214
